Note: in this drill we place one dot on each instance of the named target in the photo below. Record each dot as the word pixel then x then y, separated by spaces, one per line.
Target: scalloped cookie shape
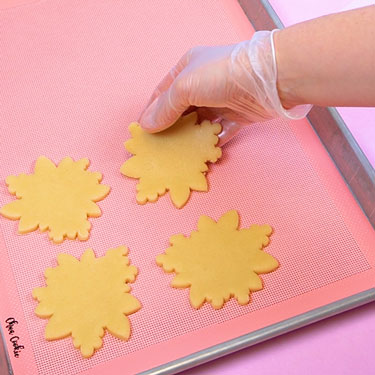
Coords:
pixel 56 198
pixel 219 261
pixel 85 297
pixel 174 159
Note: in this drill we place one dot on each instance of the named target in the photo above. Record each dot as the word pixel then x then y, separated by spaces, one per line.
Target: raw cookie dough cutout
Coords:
pixel 173 160
pixel 83 298
pixel 56 198
pixel 219 261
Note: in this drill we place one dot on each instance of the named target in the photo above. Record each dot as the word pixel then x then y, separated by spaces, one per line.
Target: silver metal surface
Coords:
pixel 263 334
pixel 357 173
pixel 347 155
pixel 353 165
pixel 261 14
pixel 5 366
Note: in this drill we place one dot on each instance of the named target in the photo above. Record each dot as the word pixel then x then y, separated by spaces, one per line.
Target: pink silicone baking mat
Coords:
pixel 73 75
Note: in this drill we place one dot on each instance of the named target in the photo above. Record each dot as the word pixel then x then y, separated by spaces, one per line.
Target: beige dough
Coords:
pixel 219 261
pixel 56 198
pixel 174 160
pixel 83 298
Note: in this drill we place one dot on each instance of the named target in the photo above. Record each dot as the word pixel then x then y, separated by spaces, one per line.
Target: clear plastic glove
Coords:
pixel 234 85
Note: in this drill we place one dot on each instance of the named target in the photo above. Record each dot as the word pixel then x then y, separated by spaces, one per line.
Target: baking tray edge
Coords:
pixel 263 334
pixel 358 174
pixel 331 129
pixel 5 366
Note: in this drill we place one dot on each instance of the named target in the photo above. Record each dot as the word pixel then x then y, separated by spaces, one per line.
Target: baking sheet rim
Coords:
pixel 264 334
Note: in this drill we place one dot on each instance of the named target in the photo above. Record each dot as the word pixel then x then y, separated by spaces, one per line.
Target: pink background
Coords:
pixel 74 111
pixel 340 345
pixel 361 121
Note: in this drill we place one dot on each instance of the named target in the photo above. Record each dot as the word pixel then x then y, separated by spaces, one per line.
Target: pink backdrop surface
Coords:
pixel 342 345
pixel 70 119
pixel 361 121
pixel 339 345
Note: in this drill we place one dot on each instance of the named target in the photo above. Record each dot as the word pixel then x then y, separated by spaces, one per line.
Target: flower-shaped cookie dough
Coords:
pixel 219 261
pixel 173 160
pixel 56 198
pixel 83 298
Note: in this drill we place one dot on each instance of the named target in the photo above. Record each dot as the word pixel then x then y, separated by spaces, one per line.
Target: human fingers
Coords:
pixel 165 110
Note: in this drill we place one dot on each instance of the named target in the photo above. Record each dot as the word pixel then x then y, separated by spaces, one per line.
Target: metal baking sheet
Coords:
pixel 74 75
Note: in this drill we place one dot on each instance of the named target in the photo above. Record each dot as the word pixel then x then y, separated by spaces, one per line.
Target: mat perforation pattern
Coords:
pixel 74 74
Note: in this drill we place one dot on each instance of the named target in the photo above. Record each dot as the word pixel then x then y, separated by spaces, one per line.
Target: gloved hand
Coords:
pixel 235 85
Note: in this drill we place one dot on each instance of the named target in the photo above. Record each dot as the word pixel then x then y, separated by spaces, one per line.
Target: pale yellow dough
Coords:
pixel 219 261
pixel 83 298
pixel 56 198
pixel 173 160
